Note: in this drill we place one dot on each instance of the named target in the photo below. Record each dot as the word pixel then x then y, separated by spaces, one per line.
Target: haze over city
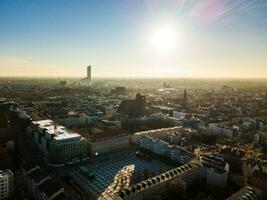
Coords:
pixel 137 39
pixel 133 100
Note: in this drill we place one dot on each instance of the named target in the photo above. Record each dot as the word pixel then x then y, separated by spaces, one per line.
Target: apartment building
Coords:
pixel 216 169
pixel 6 184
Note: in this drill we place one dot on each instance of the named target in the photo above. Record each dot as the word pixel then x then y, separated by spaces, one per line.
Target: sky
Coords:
pixel 134 38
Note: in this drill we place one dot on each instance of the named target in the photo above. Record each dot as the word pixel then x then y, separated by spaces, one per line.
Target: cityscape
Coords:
pixel 97 105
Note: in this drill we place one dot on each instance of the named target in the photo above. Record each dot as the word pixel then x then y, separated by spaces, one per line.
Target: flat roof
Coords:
pixel 50 187
pixel 122 169
pixel 171 129
pixel 60 132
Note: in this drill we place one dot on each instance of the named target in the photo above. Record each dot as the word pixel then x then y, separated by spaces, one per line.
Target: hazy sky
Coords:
pixel 213 38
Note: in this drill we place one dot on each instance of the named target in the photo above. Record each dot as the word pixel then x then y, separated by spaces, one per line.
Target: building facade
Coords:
pixel 216 170
pixel 159 147
pixel 110 144
pixel 58 144
pixel 6 184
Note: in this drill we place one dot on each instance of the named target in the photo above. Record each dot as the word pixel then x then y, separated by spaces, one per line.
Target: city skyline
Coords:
pixel 136 39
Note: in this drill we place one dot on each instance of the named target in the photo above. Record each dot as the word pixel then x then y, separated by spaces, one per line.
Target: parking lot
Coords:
pixel 120 170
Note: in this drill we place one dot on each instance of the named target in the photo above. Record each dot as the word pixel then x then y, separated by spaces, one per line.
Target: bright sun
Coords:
pixel 164 39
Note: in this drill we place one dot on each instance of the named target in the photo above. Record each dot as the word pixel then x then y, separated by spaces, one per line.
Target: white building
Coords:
pixel 58 144
pixel 175 153
pixel 6 184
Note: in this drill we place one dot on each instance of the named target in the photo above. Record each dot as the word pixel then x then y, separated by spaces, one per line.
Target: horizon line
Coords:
pixel 129 77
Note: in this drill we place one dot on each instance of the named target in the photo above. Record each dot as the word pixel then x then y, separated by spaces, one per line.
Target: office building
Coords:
pixel 58 144
pixel 89 73
pixel 87 80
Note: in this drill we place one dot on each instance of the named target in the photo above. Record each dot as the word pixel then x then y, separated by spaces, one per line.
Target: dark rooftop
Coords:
pixel 49 187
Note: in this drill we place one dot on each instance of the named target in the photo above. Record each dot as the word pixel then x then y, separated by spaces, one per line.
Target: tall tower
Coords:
pixel 89 73
pixel 185 95
pixel 185 100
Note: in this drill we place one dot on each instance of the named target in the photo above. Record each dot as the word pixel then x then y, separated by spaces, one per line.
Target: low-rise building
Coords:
pixel 118 91
pixel 156 146
pixel 159 147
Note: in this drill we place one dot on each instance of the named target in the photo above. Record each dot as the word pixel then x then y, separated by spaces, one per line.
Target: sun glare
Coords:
pixel 164 40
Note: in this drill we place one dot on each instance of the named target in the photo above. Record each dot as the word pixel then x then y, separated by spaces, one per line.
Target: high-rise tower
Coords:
pixel 89 73
pixel 185 95
pixel 87 80
pixel 185 102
